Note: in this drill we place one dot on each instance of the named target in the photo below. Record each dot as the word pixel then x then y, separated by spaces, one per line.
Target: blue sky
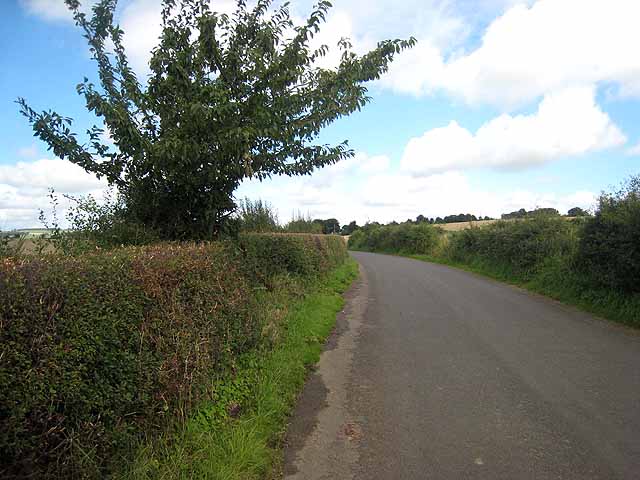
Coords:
pixel 503 104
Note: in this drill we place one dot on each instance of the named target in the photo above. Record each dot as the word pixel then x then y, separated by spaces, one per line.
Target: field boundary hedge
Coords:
pixel 241 434
pixel 103 350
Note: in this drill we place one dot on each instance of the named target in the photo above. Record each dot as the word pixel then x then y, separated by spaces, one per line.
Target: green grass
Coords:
pixel 557 281
pixel 239 435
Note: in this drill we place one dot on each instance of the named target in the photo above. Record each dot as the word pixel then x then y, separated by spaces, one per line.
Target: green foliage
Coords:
pixel 92 225
pixel 538 212
pixel 523 245
pixel 102 349
pixel 301 224
pixel 329 226
pixel 271 255
pixel 461 217
pixel 401 238
pixel 227 98
pixel 257 216
pixel 349 229
pixel 577 212
pixel 263 391
pixel 610 244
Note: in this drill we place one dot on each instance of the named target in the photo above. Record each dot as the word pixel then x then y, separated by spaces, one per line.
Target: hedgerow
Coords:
pixel 402 238
pixel 102 350
pixel 272 254
pixel 522 245
pixel 610 244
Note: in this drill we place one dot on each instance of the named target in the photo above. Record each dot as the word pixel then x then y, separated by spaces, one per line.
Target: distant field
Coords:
pixel 454 227
pixel 457 226
pixel 29 245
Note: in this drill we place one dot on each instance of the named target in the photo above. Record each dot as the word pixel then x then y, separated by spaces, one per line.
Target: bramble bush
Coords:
pixel 92 225
pixel 100 350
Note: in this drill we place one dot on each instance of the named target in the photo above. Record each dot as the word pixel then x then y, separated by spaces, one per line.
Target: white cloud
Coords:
pixel 29 152
pixel 566 123
pixel 141 22
pixel 24 189
pixel 634 151
pixel 43 174
pixel 531 51
pixel 53 10
pixel 525 52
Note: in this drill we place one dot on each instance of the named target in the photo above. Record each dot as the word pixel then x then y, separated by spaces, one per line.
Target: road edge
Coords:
pixel 322 435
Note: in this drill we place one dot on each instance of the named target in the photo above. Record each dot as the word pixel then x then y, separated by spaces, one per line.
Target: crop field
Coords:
pixel 457 226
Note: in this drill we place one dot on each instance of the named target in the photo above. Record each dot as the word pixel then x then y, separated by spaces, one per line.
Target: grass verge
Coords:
pixel 556 281
pixel 239 434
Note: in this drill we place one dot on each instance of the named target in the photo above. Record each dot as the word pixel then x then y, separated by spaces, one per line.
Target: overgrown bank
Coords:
pixel 104 353
pixel 243 440
pixel 592 262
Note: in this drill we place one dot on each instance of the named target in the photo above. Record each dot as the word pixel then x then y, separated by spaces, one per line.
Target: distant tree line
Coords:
pixel 461 217
pixel 544 212
pixel 260 216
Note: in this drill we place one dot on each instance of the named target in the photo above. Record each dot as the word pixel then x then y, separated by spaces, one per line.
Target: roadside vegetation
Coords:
pixel 592 261
pixel 165 331
pixel 105 352
pixel 238 433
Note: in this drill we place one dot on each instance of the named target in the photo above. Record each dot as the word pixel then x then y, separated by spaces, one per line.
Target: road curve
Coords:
pixel 435 373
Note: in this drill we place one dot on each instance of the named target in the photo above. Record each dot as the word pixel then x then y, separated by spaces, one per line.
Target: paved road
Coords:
pixel 435 373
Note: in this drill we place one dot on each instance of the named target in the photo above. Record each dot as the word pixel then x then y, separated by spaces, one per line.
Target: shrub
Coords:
pixel 609 249
pixel 92 225
pixel 269 255
pixel 403 238
pixel 521 245
pixel 102 349
pixel 301 224
pixel 257 216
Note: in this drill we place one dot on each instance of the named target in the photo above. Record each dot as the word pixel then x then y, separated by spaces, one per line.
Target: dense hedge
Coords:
pixel 403 238
pixel 523 245
pixel 272 254
pixel 98 350
pixel 610 243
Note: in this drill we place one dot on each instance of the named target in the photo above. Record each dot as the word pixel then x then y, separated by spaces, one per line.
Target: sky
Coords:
pixel 501 105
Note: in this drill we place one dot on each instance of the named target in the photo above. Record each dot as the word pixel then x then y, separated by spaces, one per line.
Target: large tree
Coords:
pixel 228 97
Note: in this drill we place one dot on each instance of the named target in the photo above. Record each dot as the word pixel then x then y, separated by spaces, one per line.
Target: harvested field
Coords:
pixel 456 226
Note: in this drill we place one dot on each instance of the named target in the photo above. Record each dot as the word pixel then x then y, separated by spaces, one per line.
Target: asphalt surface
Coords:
pixel 435 373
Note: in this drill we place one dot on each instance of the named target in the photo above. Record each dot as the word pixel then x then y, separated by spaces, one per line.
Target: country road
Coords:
pixel 435 373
